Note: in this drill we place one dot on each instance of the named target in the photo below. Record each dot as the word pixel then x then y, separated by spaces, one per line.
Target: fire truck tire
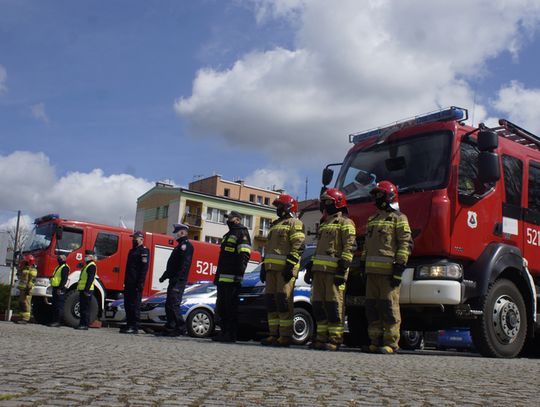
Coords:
pixel 41 311
pixel 502 329
pixel 200 323
pixel 71 308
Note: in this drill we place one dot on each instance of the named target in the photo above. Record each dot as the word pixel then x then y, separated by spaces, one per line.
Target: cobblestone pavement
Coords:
pixel 62 366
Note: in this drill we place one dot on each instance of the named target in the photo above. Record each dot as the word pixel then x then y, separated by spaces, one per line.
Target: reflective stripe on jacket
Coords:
pixel 234 255
pixel 388 240
pixel 27 278
pixel 285 244
pixel 336 241
pixel 84 277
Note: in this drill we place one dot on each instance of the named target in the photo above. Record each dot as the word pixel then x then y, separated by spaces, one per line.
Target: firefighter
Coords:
pixel 280 269
pixel 27 276
pixel 58 284
pixel 177 273
pixel 233 259
pixel 327 271
pixel 386 250
pixel 134 279
pixel 85 286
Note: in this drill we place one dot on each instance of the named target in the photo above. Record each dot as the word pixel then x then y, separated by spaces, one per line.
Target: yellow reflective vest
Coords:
pixel 56 278
pixel 84 277
pixel 336 240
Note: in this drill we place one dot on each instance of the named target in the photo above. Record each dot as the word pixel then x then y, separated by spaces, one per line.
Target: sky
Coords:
pixel 99 100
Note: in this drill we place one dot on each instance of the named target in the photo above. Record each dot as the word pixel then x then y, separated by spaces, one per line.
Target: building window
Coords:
pixel 259 200
pixel 264 227
pixel 227 192
pixel 215 215
pixel 247 221
pixel 267 201
pixel 165 212
pixel 252 198
pixel 212 239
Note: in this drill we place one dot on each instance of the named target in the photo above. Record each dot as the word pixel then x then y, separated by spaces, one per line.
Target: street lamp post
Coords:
pixel 8 310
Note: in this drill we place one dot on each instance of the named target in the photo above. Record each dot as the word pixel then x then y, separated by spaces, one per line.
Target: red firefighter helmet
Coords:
pixel 387 190
pixel 335 195
pixel 287 202
pixel 29 259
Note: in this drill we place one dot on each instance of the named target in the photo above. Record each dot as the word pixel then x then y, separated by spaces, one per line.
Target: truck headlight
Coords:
pixel 451 271
pixel 42 282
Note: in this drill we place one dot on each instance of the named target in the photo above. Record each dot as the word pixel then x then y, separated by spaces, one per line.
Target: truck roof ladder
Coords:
pixel 515 133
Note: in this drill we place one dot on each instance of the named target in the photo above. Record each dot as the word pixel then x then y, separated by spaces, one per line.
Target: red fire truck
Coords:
pixel 472 196
pixel 53 236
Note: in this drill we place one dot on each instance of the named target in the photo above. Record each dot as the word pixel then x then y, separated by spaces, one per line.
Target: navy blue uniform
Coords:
pixel 177 272
pixel 134 279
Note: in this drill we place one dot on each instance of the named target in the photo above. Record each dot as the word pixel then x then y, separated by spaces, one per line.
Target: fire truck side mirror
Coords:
pixel 488 140
pixel 327 176
pixel 488 167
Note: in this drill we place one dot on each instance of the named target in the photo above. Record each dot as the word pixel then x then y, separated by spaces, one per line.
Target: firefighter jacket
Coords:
pixel 179 262
pixel 285 244
pixel 234 255
pixel 388 241
pixel 88 277
pixel 60 276
pixel 137 267
pixel 27 278
pixel 335 244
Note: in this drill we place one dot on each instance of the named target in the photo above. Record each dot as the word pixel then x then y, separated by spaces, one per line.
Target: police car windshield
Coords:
pixel 40 238
pixel 416 163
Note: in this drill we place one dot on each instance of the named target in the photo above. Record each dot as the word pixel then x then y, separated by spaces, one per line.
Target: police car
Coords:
pixel 197 309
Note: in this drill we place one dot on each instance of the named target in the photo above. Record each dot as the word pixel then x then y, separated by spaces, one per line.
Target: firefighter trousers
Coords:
pixel 382 311
pixel 327 302
pixel 279 304
pixel 25 304
pixel 227 308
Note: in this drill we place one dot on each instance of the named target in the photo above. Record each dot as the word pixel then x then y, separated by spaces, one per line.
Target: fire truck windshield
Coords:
pixel 40 238
pixel 415 163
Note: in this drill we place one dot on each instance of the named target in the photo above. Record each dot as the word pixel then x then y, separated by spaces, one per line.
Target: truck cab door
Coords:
pixel 531 219
pixel 108 249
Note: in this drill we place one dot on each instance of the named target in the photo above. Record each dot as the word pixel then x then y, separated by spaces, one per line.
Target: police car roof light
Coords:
pixel 46 218
pixel 450 113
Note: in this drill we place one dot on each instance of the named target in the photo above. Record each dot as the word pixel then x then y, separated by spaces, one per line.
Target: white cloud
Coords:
pixel 353 67
pixel 38 112
pixel 29 183
pixel 274 179
pixel 3 79
pixel 520 105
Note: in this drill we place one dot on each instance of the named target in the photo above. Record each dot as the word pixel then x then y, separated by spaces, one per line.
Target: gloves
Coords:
pixel 287 273
pixel 339 278
pixel 397 271
pixel 308 277
pixel 262 274
pixel 162 279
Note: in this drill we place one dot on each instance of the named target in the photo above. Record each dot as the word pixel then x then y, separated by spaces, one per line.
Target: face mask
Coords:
pixel 60 261
pixel 88 259
pixel 330 209
pixel 381 203
pixel 135 243
pixel 179 236
pixel 230 223
pixel 281 212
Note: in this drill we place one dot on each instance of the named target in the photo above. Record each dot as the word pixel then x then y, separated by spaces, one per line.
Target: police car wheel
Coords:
pixel 303 326
pixel 200 323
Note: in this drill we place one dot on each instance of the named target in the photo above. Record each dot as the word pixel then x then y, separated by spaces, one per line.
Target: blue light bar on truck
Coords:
pixel 450 113
pixel 46 218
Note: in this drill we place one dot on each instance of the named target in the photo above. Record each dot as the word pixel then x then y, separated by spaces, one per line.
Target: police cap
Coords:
pixel 233 214
pixel 179 226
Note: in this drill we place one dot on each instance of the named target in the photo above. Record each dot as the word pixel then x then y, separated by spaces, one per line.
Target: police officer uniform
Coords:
pixel 27 278
pixel 387 248
pixel 85 286
pixel 233 259
pixel 134 279
pixel 280 270
pixel 58 284
pixel 177 273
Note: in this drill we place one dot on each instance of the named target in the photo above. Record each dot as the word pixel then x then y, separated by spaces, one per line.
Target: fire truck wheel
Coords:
pixel 200 323
pixel 71 309
pixel 502 329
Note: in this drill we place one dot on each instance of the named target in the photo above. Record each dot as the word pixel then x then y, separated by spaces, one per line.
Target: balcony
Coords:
pixel 192 219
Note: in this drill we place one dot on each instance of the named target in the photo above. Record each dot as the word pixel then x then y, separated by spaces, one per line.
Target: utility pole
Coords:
pixel 8 310
pixel 305 195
